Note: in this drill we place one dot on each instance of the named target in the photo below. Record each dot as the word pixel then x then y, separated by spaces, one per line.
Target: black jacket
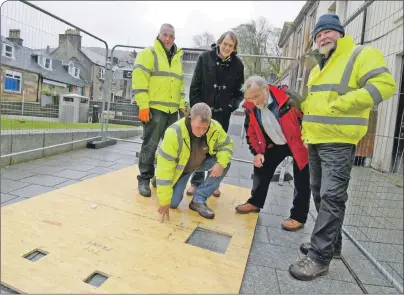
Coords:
pixel 217 82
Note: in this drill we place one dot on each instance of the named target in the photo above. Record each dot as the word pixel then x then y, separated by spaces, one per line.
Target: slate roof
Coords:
pixel 96 58
pixel 24 60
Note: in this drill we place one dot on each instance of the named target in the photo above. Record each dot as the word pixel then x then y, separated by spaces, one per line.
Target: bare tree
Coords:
pixel 259 38
pixel 203 40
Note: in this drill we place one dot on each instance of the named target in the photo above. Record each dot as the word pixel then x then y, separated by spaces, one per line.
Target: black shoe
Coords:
pixel 202 209
pixel 144 189
pixel 153 182
pixel 304 248
pixel 307 269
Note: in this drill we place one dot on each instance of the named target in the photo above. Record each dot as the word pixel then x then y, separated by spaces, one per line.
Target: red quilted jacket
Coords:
pixel 290 122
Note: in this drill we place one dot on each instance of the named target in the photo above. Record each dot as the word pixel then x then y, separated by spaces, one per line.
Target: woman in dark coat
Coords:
pixel 217 81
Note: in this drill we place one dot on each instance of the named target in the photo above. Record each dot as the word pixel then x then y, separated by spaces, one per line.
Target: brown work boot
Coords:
pixel 291 224
pixel 216 193
pixel 191 190
pixel 247 208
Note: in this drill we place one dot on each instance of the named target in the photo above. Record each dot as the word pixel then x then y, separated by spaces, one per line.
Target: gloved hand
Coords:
pixel 144 115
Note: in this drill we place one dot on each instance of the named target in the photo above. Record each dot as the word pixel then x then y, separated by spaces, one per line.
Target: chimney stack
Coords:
pixel 71 38
pixel 14 36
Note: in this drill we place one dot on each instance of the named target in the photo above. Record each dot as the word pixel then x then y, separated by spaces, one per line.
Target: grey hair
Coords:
pixel 166 25
pixel 201 110
pixel 254 80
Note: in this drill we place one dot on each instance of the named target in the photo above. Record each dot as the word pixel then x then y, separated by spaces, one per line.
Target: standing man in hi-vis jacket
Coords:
pixel 158 85
pixel 347 82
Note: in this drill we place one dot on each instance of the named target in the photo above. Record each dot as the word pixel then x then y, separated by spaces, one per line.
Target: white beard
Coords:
pixel 326 48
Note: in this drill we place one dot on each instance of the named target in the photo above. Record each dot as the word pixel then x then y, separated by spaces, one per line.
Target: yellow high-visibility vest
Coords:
pixel 157 84
pixel 342 94
pixel 175 150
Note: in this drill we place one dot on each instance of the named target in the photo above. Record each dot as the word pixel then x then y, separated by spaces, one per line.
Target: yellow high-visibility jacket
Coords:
pixel 341 95
pixel 155 83
pixel 174 152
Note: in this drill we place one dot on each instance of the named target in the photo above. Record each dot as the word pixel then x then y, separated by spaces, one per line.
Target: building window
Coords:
pixel 12 81
pixel 74 71
pixel 299 42
pixel 102 73
pixel 45 62
pixel 8 50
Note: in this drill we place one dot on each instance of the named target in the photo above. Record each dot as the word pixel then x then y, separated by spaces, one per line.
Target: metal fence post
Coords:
pixel 107 93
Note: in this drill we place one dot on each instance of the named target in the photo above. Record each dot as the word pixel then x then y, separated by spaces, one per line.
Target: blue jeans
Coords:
pixel 203 191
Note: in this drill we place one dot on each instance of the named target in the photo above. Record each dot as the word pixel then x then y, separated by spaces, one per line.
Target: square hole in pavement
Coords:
pixel 35 255
pixel 96 279
pixel 209 240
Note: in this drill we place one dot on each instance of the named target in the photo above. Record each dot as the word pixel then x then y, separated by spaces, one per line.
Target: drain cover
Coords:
pixel 209 240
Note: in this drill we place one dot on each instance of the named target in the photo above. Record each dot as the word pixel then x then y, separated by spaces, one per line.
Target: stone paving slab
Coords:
pixel 66 183
pixel 100 170
pixel 38 169
pixel 367 272
pixel 32 191
pixel 46 180
pixel 6 197
pixel 259 280
pixel 11 185
pixel 71 174
pixel 272 256
pixel 12 174
pixel 288 285
pixel 89 176
pixel 374 289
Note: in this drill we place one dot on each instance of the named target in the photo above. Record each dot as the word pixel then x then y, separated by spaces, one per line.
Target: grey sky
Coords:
pixel 137 22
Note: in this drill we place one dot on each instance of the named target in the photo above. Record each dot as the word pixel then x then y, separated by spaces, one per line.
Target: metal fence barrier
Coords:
pixel 50 70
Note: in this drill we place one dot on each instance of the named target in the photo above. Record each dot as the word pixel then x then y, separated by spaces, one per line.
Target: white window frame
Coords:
pixel 102 73
pixel 14 75
pixel 4 52
pixel 73 70
pixel 42 62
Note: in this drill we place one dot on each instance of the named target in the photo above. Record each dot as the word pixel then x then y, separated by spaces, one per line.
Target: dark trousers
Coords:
pixel 262 178
pixel 330 169
pixel 153 132
pixel 224 120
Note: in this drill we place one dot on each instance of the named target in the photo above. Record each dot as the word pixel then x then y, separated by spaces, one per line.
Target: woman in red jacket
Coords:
pixel 273 133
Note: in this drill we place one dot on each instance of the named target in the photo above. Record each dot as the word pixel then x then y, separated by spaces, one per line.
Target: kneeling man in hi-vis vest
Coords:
pixel 347 82
pixel 195 143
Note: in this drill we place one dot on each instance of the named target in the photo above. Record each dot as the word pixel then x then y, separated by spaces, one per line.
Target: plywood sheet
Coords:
pixel 103 225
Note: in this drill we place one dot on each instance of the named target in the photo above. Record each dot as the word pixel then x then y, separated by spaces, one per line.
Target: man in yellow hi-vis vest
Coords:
pixel 194 143
pixel 158 87
pixel 348 81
